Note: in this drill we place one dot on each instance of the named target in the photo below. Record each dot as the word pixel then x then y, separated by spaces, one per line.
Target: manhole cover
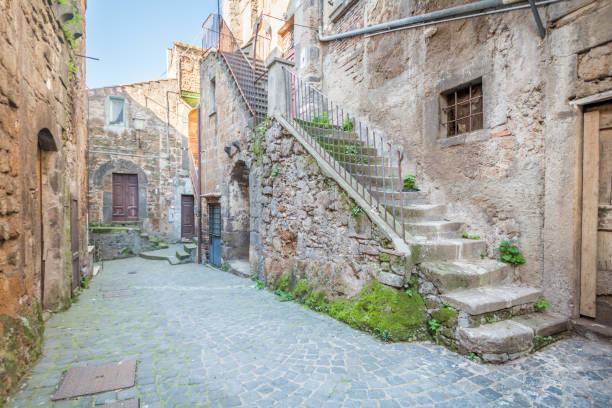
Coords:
pixel 88 380
pixel 131 403
pixel 132 273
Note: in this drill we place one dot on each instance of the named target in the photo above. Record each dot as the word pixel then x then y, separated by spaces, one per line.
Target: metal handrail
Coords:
pixel 360 155
pixel 218 36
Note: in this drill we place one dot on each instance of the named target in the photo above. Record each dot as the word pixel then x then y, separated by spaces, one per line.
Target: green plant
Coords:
pixel 259 284
pixel 385 335
pixel 409 292
pixel 319 119
pixel 490 319
pixel 284 296
pixel 433 325
pixel 350 150
pixel 356 210
pixel 472 355
pixel 224 267
pixel 410 182
pixel 348 125
pixel 540 305
pixel 75 296
pixel 510 253
pixel 467 236
pixel 539 341
pixel 71 69
pixel 274 172
pixel 84 283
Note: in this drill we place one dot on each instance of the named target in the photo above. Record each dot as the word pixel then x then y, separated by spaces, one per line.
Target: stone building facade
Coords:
pixel 43 182
pixel 488 112
pixel 518 175
pixel 139 156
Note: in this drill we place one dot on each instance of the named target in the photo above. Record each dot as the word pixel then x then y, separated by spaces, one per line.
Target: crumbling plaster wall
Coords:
pixel 38 97
pixel 518 178
pixel 162 174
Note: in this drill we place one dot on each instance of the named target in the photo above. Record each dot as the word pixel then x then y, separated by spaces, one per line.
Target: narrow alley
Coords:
pixel 203 337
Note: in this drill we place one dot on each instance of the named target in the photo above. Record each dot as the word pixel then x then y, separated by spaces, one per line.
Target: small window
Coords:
pixel 213 102
pixel 462 109
pixel 116 111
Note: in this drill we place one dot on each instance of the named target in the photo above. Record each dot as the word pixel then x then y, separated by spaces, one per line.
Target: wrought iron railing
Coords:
pixel 217 36
pixel 361 156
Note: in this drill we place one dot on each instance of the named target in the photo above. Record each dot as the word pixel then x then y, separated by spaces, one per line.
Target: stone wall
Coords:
pixel 303 223
pixel 119 242
pixel 155 153
pixel 43 144
pixel 519 177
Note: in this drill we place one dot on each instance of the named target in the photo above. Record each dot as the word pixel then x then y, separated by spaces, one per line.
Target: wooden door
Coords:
pixel 187 217
pixel 596 259
pixel 125 197
pixel 74 244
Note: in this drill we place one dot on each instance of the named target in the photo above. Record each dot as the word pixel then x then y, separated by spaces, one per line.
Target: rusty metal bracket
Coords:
pixel 537 19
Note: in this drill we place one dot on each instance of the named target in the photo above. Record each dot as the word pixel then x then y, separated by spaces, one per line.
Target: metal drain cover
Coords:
pixel 117 293
pixel 131 403
pixel 132 273
pixel 89 380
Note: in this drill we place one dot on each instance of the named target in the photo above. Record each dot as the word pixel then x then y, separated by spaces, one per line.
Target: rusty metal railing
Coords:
pixel 361 156
pixel 217 36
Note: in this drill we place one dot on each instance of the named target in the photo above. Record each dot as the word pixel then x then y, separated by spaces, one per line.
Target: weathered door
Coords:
pixel 187 217
pixel 74 244
pixel 214 233
pixel 596 259
pixel 125 197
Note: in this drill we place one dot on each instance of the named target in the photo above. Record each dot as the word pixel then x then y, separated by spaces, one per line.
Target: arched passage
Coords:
pixel 237 226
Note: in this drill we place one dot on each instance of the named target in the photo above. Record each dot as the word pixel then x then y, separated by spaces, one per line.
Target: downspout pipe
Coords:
pixel 421 18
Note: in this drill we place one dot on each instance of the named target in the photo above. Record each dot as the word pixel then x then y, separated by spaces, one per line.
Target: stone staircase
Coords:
pixel 481 308
pixel 175 254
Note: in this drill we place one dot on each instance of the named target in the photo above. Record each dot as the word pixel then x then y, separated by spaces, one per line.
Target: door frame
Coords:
pixel 192 216
pixel 125 196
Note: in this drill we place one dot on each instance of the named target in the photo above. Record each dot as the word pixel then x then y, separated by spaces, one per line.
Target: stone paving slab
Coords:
pixel 206 338
pixel 95 379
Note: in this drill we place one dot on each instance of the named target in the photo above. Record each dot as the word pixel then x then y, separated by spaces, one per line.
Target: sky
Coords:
pixel 130 37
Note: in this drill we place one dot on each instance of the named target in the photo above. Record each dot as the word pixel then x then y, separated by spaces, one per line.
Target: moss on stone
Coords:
pixel 383 257
pixel 446 316
pixel 383 311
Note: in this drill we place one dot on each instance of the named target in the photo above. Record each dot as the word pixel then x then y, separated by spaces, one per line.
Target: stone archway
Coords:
pixel 101 183
pixel 236 235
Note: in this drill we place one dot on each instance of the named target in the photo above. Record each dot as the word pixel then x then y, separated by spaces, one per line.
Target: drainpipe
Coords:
pixel 199 191
pixel 423 19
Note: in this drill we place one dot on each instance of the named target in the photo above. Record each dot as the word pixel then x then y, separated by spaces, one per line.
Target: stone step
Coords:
pixel 153 256
pixel 418 212
pixel 435 229
pixel 481 300
pixel 543 324
pixel 360 161
pixel 591 329
pixel 401 197
pixel 182 254
pixel 191 248
pixel 452 275
pixel 447 250
pixel 497 342
pixel 96 269
pixel 173 260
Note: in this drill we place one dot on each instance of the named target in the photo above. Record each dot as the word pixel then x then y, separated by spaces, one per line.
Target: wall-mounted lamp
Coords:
pixel 138 123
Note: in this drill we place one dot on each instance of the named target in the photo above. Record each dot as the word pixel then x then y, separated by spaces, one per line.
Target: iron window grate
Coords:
pixel 463 110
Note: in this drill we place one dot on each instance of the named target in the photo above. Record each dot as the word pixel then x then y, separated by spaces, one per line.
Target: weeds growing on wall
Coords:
pixel 510 253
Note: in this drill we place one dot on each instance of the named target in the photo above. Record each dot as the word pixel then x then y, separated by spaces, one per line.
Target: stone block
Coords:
pixel 543 324
pixel 391 279
pixel 489 299
pixel 497 338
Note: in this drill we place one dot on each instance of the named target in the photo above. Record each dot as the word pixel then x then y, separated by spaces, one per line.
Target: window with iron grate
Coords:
pixel 462 109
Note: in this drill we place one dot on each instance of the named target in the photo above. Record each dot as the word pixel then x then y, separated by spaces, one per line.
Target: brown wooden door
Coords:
pixel 74 244
pixel 125 197
pixel 596 259
pixel 187 217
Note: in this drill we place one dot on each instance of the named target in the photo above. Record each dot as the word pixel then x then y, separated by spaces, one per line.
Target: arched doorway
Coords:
pixel 237 226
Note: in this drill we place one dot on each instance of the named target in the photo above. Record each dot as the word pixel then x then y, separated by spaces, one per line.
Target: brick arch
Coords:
pixel 102 182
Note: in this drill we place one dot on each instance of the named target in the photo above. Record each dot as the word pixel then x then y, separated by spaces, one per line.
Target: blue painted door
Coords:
pixel 214 233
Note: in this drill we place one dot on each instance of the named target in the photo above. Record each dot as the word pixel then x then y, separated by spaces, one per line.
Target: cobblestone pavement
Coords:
pixel 207 338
